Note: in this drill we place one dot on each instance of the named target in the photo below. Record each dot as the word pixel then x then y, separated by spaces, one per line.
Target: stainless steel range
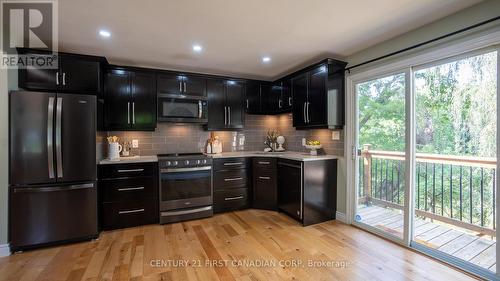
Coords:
pixel 185 187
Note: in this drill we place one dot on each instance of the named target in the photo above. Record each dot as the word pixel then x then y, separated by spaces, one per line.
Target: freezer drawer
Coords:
pixel 53 213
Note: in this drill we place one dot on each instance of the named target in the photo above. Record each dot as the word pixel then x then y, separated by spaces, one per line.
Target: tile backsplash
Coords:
pixel 178 138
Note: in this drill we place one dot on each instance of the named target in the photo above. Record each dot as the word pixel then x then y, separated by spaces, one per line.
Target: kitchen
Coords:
pixel 150 162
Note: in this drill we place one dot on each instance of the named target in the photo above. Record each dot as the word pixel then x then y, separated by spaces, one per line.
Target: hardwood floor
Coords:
pixel 244 245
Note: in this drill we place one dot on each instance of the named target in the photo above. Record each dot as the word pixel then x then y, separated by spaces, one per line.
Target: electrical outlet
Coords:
pixel 335 135
pixel 135 143
pixel 303 141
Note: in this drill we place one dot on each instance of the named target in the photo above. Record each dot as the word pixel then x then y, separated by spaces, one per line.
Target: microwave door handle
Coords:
pixel 200 109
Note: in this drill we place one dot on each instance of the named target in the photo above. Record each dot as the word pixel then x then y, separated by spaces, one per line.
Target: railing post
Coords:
pixel 367 173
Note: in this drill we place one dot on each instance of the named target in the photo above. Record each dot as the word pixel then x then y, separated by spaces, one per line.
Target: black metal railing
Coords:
pixel 454 189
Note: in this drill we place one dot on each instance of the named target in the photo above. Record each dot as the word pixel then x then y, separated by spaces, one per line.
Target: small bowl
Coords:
pixel 314 148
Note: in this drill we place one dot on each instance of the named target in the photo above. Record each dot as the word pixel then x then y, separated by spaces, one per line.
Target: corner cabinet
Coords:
pixel 130 99
pixel 318 96
pixel 225 104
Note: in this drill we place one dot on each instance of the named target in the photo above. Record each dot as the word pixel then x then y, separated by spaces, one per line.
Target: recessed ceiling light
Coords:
pixel 197 48
pixel 266 59
pixel 104 33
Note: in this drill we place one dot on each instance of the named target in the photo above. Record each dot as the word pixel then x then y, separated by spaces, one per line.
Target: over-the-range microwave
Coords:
pixel 182 108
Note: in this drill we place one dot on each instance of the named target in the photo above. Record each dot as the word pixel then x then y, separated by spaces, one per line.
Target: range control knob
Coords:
pixel 186 162
pixel 175 163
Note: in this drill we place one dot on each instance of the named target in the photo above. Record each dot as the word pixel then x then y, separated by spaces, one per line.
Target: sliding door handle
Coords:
pixel 59 109
pixel 50 137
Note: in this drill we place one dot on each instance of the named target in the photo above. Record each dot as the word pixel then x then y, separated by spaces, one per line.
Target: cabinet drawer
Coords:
pixel 264 163
pixel 228 200
pixel 114 190
pixel 231 179
pixel 128 170
pixel 231 163
pixel 127 214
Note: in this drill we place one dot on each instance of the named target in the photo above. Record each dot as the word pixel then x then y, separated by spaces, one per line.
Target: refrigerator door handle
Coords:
pixel 53 188
pixel 59 108
pixel 50 137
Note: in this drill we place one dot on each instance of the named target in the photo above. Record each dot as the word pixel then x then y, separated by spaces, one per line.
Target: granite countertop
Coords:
pixel 131 159
pixel 292 155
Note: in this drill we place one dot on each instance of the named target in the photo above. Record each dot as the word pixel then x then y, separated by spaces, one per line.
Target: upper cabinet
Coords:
pixel 72 73
pixel 262 98
pixel 226 110
pixel 282 95
pixel 252 97
pixel 317 96
pixel 130 99
pixel 180 84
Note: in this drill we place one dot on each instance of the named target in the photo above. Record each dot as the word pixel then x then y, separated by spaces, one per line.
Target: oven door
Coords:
pixel 173 108
pixel 185 187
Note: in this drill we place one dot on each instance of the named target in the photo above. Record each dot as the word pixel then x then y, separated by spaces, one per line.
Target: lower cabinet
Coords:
pixel 128 195
pixel 290 188
pixel 265 186
pixel 232 184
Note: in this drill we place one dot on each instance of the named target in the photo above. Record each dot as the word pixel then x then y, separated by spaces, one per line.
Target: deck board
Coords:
pixel 448 239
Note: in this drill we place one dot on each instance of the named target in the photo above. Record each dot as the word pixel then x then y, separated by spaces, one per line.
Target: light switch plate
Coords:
pixel 335 135
pixel 135 143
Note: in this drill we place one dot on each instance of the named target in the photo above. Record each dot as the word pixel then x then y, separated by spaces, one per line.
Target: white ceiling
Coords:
pixel 235 34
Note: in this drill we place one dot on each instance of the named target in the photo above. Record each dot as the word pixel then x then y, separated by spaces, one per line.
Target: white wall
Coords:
pixel 4 155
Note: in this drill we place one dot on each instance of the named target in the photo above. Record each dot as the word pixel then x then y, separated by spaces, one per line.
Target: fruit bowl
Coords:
pixel 314 148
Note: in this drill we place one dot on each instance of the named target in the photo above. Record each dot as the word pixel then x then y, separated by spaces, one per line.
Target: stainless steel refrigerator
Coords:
pixel 52 168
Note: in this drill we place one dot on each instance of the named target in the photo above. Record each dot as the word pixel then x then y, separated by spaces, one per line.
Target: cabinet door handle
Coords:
pixel 265 178
pixel 131 188
pixel 131 211
pixel 289 101
pixel 133 112
pixel 225 115
pixel 185 87
pixel 248 107
pixel 264 162
pixel 233 163
pixel 229 115
pixel 233 198
pixel 128 113
pixel 57 78
pixel 279 103
pixel 200 109
pixel 64 78
pixel 180 86
pixel 233 179
pixel 130 170
pixel 307 111
pixel 305 118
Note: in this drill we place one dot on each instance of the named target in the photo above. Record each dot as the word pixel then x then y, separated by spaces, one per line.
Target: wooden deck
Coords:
pixel 457 242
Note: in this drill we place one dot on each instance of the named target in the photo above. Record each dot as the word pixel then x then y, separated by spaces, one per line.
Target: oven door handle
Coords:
pixel 180 170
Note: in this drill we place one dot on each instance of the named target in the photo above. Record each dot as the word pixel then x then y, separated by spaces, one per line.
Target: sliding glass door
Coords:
pixel 425 157
pixel 381 158
pixel 456 152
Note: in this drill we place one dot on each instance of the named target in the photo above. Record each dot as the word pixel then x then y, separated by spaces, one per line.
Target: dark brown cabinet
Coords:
pixel 265 186
pixel 283 94
pixel 252 98
pixel 232 184
pixel 180 84
pixel 128 194
pixel 71 73
pixel 317 94
pixel 225 105
pixel 130 100
pixel 290 188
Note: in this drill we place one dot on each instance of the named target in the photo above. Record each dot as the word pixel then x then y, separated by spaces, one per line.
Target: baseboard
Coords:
pixel 341 217
pixel 4 250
